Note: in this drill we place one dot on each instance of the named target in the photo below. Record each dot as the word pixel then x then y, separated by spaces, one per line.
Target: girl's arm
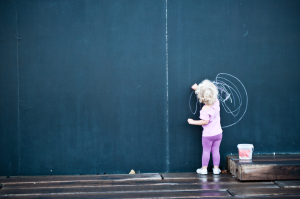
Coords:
pixel 197 122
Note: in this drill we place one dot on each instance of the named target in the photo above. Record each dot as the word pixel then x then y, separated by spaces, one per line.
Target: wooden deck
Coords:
pixel 155 185
pixel 265 167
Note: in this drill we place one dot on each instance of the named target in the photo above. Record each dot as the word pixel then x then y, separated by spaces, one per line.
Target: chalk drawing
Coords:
pixel 228 93
pixel 190 103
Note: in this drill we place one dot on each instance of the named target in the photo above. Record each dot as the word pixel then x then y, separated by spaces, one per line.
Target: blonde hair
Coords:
pixel 207 92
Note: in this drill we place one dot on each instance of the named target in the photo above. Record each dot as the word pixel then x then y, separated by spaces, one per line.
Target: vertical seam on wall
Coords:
pixel 18 77
pixel 167 87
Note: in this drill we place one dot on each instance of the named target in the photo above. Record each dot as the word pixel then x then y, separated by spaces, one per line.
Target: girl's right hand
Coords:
pixel 194 87
pixel 190 121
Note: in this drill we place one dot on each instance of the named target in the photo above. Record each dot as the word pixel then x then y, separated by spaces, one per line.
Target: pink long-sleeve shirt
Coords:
pixel 213 116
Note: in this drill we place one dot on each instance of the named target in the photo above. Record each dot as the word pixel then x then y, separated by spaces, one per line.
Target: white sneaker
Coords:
pixel 201 171
pixel 216 171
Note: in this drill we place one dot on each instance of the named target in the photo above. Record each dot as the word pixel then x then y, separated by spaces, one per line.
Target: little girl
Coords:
pixel 207 93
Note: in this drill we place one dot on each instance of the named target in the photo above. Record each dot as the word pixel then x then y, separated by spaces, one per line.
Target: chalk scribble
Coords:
pixel 229 96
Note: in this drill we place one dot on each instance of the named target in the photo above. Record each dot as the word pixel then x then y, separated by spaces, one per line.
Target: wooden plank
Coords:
pixel 271 156
pixel 249 192
pixel 260 197
pixel 135 194
pixel 288 171
pixel 288 184
pixel 267 197
pixel 209 179
pixel 286 162
pixel 286 157
pixel 110 189
pixel 168 176
pixel 128 188
pixel 152 195
pixel 68 178
pixel 125 183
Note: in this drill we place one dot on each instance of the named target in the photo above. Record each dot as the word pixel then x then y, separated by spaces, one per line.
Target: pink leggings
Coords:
pixel 211 144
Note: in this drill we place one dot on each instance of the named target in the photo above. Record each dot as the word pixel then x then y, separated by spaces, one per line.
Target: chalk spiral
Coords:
pixel 228 91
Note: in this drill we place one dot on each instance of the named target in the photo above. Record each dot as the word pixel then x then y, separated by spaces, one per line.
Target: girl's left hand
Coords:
pixel 190 121
pixel 194 87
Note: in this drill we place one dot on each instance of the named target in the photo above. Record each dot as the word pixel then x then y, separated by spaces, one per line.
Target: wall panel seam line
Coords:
pixel 18 91
pixel 167 90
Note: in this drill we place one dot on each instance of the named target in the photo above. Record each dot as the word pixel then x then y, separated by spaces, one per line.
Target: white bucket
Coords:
pixel 245 151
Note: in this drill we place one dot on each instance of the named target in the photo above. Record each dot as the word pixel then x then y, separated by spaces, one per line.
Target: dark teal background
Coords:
pixel 90 86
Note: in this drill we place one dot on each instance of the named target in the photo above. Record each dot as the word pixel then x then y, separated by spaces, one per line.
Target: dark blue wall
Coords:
pixel 256 41
pixel 9 131
pixel 100 87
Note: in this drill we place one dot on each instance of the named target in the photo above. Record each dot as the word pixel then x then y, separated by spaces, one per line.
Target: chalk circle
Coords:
pixel 230 96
